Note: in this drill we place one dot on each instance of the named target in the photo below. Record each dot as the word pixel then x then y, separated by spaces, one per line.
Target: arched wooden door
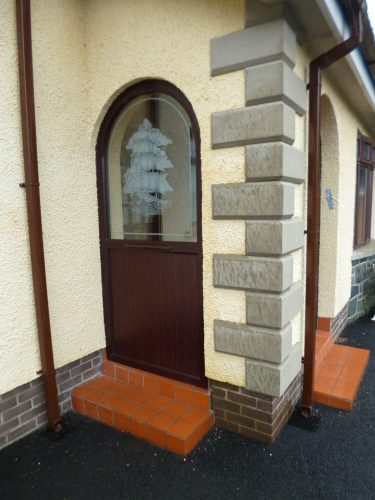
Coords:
pixel 148 166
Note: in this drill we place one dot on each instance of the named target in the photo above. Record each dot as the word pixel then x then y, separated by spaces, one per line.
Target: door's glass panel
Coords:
pixel 151 172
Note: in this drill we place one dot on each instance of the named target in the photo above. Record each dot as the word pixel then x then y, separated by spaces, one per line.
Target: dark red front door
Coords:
pixel 151 249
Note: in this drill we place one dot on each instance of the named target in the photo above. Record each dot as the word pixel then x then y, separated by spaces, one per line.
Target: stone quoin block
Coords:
pixel 266 344
pixel 272 82
pixel 273 379
pixel 269 237
pixel 267 42
pixel 253 273
pixel 253 200
pixel 273 121
pixel 273 310
pixel 275 161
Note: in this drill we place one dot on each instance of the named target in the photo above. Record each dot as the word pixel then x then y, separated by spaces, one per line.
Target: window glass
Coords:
pixel 151 172
pixel 367 151
pixel 364 187
pixel 362 181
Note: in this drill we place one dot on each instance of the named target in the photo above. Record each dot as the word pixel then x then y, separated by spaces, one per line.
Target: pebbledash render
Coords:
pixel 243 67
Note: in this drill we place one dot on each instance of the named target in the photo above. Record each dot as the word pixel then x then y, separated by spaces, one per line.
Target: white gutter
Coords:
pixel 335 19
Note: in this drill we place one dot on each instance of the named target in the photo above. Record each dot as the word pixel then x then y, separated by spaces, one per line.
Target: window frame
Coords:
pixel 368 164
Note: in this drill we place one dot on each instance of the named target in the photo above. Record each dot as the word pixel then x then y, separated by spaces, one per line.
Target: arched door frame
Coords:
pixel 128 95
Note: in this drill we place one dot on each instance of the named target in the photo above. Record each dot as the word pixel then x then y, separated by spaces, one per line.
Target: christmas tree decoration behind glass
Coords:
pixel 152 172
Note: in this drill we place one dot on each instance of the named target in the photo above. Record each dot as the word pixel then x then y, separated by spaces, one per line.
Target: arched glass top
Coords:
pixel 151 172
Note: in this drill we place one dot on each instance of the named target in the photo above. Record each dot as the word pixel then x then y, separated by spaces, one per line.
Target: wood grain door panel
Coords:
pixel 156 311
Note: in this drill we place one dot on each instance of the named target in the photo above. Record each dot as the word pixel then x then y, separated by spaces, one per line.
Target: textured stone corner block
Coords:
pixel 268 237
pixel 273 310
pixel 273 379
pixel 253 273
pixel 263 123
pixel 266 344
pixel 275 81
pixel 253 200
pixel 275 161
pixel 267 42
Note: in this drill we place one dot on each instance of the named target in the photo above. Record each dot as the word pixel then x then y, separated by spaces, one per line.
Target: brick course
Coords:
pixel 22 410
pixel 252 414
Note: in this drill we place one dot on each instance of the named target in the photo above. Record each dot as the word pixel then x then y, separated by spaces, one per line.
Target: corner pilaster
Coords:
pixel 265 201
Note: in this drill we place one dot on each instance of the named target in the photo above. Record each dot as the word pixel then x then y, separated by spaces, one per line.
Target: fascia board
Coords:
pixel 335 19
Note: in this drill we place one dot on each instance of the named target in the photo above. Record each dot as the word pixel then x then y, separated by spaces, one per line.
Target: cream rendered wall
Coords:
pixel 68 196
pixel 347 125
pixel 207 95
pixel 299 200
pixel 339 133
pixel 339 174
pixel 85 53
pixel 19 355
pixel 128 41
pixel 68 179
pixel 330 173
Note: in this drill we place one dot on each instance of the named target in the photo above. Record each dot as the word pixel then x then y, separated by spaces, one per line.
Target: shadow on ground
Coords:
pixel 96 462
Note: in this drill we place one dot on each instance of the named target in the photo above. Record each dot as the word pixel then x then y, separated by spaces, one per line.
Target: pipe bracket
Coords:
pixel 30 184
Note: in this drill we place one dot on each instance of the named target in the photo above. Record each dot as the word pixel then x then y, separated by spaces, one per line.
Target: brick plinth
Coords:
pixel 23 410
pixel 252 414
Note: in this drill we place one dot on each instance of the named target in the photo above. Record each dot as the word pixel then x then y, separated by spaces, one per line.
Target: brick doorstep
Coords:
pixel 338 374
pixel 167 413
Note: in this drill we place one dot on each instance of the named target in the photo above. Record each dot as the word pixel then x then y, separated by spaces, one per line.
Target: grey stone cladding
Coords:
pixel 273 41
pixel 268 344
pixel 272 309
pixel 270 378
pixel 265 237
pixel 253 200
pixel 272 82
pixel 362 298
pixel 274 161
pixel 253 125
pixel 265 126
pixel 22 410
pixel 253 273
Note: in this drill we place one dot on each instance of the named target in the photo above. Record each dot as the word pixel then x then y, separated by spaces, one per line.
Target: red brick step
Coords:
pixel 167 413
pixel 338 372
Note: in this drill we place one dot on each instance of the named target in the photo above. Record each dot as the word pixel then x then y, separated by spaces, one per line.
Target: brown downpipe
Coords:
pixel 313 207
pixel 31 186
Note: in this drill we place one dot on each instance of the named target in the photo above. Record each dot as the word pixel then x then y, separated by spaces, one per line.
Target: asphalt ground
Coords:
pixel 92 461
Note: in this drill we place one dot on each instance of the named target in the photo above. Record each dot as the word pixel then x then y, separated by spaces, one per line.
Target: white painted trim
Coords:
pixel 335 19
